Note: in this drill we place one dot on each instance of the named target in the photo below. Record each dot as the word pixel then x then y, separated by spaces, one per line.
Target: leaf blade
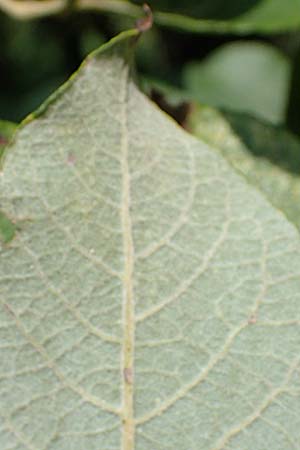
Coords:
pixel 255 149
pixel 95 155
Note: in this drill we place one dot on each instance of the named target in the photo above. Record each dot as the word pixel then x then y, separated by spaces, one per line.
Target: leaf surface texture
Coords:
pixel 150 298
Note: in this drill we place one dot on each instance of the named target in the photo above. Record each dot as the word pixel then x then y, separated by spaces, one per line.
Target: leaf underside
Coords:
pixel 150 298
pixel 252 146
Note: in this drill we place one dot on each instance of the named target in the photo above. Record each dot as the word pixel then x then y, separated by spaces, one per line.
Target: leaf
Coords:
pixel 150 297
pixel 256 149
pixel 243 77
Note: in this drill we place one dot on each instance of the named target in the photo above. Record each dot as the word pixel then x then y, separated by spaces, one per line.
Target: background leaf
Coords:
pixel 242 76
pixel 149 289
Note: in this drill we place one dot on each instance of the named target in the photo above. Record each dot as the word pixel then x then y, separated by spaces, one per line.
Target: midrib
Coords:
pixel 128 426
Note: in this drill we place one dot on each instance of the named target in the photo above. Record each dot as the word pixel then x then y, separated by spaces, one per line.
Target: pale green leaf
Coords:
pixel 250 77
pixel 150 299
pixel 266 155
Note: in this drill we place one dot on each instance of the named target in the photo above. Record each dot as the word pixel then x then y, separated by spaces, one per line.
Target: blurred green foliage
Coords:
pixel 250 77
pixel 207 9
pixel 37 56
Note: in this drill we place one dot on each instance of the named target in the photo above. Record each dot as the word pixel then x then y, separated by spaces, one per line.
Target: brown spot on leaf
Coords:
pixel 252 319
pixel 128 375
pixel 71 159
